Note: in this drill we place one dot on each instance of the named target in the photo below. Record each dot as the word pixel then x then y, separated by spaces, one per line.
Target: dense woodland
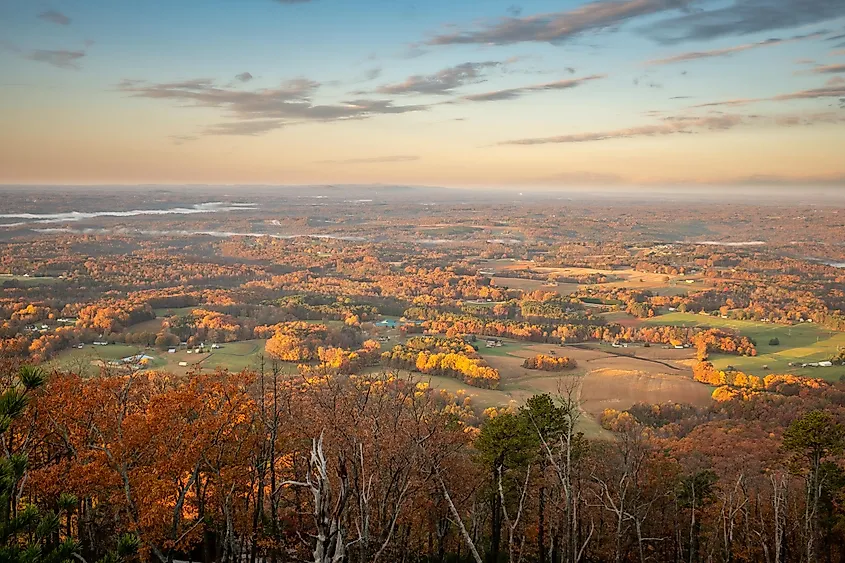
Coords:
pixel 334 447
pixel 234 466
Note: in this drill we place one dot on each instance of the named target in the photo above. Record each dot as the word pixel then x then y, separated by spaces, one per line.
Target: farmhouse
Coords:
pixel 137 359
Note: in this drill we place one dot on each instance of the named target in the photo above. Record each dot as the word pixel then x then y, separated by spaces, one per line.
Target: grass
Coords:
pixel 236 356
pixel 802 343
pixel 508 393
pixel 506 349
pixel 175 311
pixel 82 359
pixel 153 325
pixel 28 280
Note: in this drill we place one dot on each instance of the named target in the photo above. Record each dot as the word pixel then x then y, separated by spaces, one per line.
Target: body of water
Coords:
pixel 72 216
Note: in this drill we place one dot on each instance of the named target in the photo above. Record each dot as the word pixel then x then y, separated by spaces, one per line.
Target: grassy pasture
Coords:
pixel 660 284
pixel 802 343
pixel 175 311
pixel 28 280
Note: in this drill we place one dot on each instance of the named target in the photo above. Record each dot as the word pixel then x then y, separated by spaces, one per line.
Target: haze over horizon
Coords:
pixel 527 95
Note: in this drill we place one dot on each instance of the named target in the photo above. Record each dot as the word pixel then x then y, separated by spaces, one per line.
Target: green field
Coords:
pixel 28 280
pixel 506 349
pixel 508 394
pixel 175 311
pixel 802 343
pixel 82 361
pixel 236 356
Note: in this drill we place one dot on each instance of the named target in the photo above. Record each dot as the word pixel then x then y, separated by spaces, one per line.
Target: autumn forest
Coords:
pixel 372 374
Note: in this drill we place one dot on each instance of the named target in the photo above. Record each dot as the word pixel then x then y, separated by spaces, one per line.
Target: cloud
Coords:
pixel 829 69
pixel 512 93
pixel 557 27
pixel 828 91
pixel 669 126
pixel 58 59
pixel 584 178
pixel 837 53
pixel 372 74
pixel 514 10
pixel 743 17
pixel 812 94
pixel 259 111
pixel 244 77
pixel 727 51
pixel 767 179
pixel 442 82
pixel 835 81
pixel 291 1
pixel 413 51
pixel 182 139
pixel 689 124
pixel 376 159
pixel 246 128
pixel 55 17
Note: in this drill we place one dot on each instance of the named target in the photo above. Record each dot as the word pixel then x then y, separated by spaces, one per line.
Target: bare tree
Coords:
pixel 513 524
pixel 329 505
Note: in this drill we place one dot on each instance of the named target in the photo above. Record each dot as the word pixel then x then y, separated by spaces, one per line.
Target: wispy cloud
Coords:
pixel 373 160
pixel 727 51
pixel 829 69
pixel 372 74
pixel 58 59
pixel 743 17
pixel 244 77
pixel 249 128
pixel 512 93
pixel 583 178
pixel 827 91
pixel 442 82
pixel 182 139
pixel 556 27
pixel 55 17
pixel 685 124
pixel 669 126
pixel 259 111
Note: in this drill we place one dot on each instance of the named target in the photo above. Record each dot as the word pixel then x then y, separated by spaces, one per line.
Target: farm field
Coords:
pixel 602 379
pixel 174 311
pixel 801 343
pixel 28 280
pixel 83 360
pixel 152 325
pixel 621 317
pixel 660 284
pixel 234 356
pixel 533 285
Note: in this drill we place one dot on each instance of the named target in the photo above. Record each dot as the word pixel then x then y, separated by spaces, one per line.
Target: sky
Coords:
pixel 531 93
